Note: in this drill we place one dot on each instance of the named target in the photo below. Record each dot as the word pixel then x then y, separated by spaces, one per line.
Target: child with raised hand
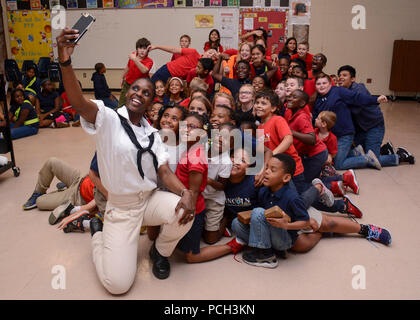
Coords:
pixel 264 235
pixel 175 90
pixel 214 41
pixel 31 85
pixel 101 88
pixel 312 150
pixel 201 105
pixel 277 134
pixel 138 66
pixel 304 55
pixel 184 42
pixel 203 71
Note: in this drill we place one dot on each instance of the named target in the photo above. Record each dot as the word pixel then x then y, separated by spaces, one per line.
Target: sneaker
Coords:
pixel 62 211
pixel 337 188
pixel 350 208
pixel 235 245
pixel 387 149
pixel 31 202
pixel 281 254
pixel 378 234
pixel 76 225
pixel 326 195
pixel 349 180
pixel 95 225
pixel 62 125
pixel 61 186
pixel 373 160
pixel 405 156
pixel 358 151
pixel 261 258
pixel 227 233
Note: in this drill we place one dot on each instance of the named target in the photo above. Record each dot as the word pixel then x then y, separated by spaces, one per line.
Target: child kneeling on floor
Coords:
pixel 265 234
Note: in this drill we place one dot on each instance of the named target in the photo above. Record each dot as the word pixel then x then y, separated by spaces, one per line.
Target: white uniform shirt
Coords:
pixel 219 166
pixel 117 155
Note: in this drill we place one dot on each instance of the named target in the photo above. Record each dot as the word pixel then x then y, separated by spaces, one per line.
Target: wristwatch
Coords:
pixel 65 63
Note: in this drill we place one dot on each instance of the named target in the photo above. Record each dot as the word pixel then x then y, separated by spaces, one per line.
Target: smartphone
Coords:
pixel 83 24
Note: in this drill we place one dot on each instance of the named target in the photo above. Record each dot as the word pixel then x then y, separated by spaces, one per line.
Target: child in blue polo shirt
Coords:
pixel 265 234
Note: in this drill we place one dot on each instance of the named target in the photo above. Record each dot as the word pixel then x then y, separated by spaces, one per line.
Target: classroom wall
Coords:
pixel 369 50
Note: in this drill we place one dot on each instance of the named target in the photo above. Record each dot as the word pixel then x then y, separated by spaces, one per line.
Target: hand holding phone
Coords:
pixel 82 25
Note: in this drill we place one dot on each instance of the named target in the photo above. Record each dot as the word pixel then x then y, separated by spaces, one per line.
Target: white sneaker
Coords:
pixel 373 160
pixel 326 196
pixel 358 151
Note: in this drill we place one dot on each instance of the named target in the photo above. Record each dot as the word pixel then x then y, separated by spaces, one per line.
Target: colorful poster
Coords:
pixel 91 3
pixel 145 3
pixel 204 21
pixel 198 3
pixel 180 3
pixel 300 12
pixel 72 4
pixel 108 3
pixel 233 3
pixel 30 35
pixel 11 5
pixel 35 4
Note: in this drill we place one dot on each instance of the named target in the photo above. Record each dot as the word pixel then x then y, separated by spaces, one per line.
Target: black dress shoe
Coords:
pixel 161 266
pixel 95 225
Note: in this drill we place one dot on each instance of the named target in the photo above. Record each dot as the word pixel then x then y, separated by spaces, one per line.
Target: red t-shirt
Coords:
pixel 86 189
pixel 185 103
pixel 209 79
pixel 275 130
pixel 66 104
pixel 134 73
pixel 182 65
pixel 308 60
pixel 207 47
pixel 288 112
pixel 301 122
pixel 194 160
pixel 175 56
pixel 330 141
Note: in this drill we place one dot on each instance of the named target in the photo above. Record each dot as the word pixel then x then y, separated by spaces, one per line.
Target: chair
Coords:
pixel 29 63
pixel 54 72
pixel 12 71
pixel 43 64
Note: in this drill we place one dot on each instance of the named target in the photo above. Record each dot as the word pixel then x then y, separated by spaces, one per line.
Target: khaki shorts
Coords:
pixel 313 214
pixel 214 214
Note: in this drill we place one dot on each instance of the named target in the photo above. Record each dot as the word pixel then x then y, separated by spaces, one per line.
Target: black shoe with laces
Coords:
pixel 261 258
pixel 405 156
pixel 387 149
pixel 76 225
pixel 95 225
pixel 161 266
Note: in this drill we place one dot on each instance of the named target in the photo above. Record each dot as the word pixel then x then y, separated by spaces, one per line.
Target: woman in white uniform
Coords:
pixel 131 156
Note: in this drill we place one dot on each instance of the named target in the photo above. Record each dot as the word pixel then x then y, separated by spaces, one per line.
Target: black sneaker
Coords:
pixel 261 258
pixel 387 149
pixel 161 266
pixel 281 254
pixel 405 156
pixel 95 225
pixel 62 211
pixel 76 225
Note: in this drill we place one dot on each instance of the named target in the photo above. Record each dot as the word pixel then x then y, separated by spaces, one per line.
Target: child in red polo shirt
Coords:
pixel 138 66
pixel 304 55
pixel 277 135
pixel 312 150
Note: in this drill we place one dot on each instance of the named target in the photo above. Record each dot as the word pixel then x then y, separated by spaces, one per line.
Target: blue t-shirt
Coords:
pixel 240 196
pixel 26 106
pixel 288 200
pixel 94 164
pixel 46 101
pixel 100 86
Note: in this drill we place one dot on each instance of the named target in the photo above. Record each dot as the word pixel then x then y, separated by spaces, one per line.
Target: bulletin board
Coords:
pixel 273 20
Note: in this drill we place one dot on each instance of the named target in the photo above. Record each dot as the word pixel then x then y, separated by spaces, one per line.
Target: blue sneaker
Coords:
pixel 61 186
pixel 378 234
pixel 31 202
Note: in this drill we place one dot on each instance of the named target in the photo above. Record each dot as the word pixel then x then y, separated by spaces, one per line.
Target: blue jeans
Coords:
pixel 161 74
pixel 108 102
pixel 372 140
pixel 343 160
pixel 23 131
pixel 260 234
pixel 313 165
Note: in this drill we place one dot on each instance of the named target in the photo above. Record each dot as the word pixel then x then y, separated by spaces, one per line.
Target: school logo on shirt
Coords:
pixel 238 202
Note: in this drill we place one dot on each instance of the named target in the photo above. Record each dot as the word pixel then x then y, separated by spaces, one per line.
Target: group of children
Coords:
pixel 283 109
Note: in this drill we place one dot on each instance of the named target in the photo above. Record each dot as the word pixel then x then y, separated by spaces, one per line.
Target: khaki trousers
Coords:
pixel 72 177
pixel 115 248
